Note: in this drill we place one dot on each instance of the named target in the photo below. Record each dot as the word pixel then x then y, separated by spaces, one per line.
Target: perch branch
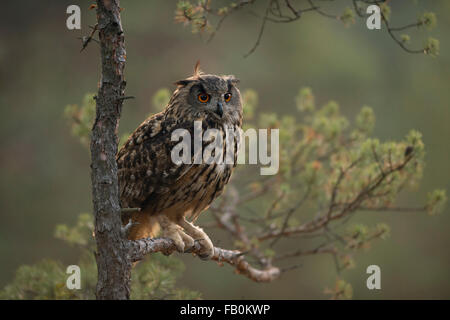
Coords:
pixel 140 248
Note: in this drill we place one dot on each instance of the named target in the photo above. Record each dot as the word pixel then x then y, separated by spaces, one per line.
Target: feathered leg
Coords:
pixel 173 231
pixel 207 247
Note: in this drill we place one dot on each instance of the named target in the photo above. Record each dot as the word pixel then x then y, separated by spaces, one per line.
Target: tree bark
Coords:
pixel 115 254
pixel 113 264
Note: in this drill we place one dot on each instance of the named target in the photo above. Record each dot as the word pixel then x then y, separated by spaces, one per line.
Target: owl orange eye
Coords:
pixel 203 97
pixel 227 97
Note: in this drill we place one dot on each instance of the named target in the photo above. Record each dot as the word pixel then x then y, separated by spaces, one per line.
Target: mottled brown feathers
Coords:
pixel 150 180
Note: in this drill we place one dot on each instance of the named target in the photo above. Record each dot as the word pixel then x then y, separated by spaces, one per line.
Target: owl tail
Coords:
pixel 145 225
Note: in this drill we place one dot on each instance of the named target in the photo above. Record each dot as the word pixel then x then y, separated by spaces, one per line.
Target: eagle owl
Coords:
pixel 168 193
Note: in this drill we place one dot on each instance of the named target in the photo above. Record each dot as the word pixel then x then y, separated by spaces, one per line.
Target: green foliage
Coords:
pixel 365 120
pixel 44 280
pixel 405 38
pixel 194 14
pixel 385 10
pixel 161 99
pixel 432 47
pixel 436 201
pixel 81 118
pixel 305 100
pixel 330 162
pixel 359 236
pixel 153 278
pixel 348 16
pixel 78 235
pixel 331 166
pixel 203 17
pixel 429 20
pixel 341 291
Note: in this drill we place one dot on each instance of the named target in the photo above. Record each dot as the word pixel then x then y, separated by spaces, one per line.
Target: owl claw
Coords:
pixel 176 237
pixel 179 245
pixel 174 232
pixel 206 251
pixel 205 248
pixel 205 256
pixel 188 250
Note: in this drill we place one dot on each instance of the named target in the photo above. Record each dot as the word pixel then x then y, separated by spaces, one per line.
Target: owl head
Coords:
pixel 214 97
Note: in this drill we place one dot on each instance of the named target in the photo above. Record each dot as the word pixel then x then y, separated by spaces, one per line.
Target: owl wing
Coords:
pixel 145 167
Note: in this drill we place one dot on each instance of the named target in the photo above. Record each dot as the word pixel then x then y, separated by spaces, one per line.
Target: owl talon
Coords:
pixel 174 235
pixel 187 240
pixel 206 251
pixel 188 250
pixel 205 256
pixel 174 232
pixel 179 245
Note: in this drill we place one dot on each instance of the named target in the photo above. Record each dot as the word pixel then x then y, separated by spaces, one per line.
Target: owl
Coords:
pixel 170 194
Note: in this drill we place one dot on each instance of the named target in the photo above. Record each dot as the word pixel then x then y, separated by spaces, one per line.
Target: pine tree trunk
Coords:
pixel 114 267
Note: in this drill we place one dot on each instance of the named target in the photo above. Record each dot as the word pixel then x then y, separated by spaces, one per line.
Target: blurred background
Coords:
pixel 45 175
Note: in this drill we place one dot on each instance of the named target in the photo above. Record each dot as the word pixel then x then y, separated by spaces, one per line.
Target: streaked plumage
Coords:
pixel 168 193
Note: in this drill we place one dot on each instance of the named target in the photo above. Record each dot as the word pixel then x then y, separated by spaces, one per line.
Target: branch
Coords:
pixel 261 30
pixel 114 270
pixel 265 187
pixel 323 220
pixel 88 39
pixel 138 249
pixel 319 250
pixel 290 212
pixel 397 209
pixel 399 42
pixel 228 220
pixel 276 13
pixel 238 6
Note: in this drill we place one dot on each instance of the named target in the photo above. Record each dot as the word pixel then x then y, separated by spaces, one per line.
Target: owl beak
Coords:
pixel 219 109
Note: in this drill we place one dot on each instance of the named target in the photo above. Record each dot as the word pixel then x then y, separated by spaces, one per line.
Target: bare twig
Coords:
pixel 299 253
pixel 322 220
pixel 261 30
pixel 88 39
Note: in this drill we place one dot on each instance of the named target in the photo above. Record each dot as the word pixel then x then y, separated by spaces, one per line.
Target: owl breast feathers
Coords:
pixel 164 189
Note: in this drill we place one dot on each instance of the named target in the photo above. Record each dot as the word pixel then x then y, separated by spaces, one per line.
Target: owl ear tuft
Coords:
pixel 197 70
pixel 194 77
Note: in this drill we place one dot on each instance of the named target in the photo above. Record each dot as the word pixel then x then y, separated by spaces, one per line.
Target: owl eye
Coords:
pixel 227 97
pixel 203 97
